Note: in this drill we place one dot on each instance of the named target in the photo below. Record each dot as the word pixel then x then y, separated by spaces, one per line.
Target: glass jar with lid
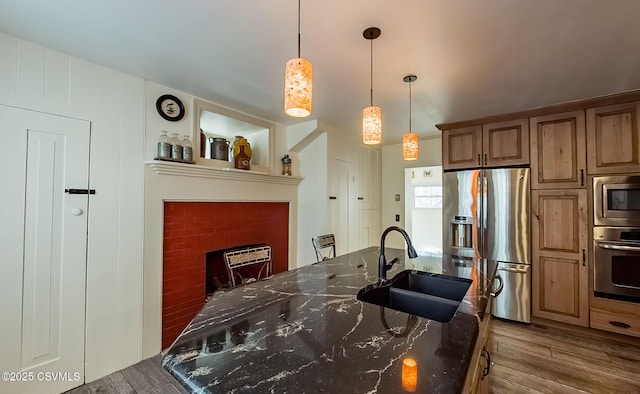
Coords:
pixel 164 147
pixel 176 148
pixel 187 149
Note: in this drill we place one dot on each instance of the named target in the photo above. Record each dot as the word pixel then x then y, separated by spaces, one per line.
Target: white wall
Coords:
pixel 393 167
pixel 312 195
pixel 40 79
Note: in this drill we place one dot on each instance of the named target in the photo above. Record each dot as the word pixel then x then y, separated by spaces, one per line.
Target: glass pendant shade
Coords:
pixel 298 88
pixel 410 146
pixel 372 125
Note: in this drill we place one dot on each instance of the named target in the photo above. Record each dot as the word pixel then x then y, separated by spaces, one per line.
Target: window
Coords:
pixel 427 197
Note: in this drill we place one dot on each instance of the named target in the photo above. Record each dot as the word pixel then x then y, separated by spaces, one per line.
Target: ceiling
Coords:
pixel 473 58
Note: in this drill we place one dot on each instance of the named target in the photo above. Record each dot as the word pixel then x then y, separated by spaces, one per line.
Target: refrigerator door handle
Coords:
pixel 516 270
pixel 497 292
pixel 485 182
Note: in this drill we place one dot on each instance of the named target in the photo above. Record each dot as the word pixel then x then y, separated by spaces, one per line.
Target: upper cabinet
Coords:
pixel 462 148
pixel 490 145
pixel 613 143
pixel 558 158
pixel 505 143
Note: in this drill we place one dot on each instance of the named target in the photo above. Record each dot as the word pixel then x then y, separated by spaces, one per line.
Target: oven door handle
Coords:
pixel 605 245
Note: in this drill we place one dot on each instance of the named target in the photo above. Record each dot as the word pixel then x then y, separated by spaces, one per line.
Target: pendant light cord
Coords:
pixel 371 59
pixel 298 28
pixel 409 106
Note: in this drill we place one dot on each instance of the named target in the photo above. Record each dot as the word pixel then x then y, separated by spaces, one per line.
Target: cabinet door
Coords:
pixel 462 148
pixel 559 250
pixel 558 157
pixel 505 143
pixel 613 143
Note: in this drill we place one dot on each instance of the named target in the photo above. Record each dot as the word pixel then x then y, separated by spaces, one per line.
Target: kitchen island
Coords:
pixel 304 331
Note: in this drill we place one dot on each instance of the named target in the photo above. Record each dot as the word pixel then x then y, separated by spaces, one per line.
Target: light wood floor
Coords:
pixel 542 359
pixel 525 358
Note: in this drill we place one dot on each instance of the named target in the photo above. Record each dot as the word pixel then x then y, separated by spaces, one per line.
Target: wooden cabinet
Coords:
pixel 491 145
pixel 462 148
pixel 558 158
pixel 560 289
pixel 617 316
pixel 615 321
pixel 476 381
pixel 613 141
pixel 505 143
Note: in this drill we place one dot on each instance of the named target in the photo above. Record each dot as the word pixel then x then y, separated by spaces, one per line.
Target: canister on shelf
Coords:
pixel 286 165
pixel 241 160
pixel 176 148
pixel 238 142
pixel 187 149
pixel 219 148
pixel 164 147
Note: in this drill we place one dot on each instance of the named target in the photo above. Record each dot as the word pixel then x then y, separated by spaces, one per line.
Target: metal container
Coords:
pixel 219 148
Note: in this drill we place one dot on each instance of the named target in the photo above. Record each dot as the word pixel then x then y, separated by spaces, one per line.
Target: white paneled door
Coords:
pixel 344 207
pixel 43 248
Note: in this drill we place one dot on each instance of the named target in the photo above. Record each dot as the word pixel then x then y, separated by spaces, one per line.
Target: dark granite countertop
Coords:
pixel 304 331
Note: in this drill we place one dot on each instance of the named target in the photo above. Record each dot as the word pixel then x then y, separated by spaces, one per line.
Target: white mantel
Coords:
pixel 190 170
pixel 166 181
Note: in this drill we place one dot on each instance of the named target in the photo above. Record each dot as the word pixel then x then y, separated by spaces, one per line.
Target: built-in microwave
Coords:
pixel 616 200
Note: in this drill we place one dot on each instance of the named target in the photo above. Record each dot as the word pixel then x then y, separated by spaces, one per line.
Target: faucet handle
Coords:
pixel 391 263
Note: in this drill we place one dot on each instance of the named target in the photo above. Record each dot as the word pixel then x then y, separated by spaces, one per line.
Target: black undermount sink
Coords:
pixel 424 294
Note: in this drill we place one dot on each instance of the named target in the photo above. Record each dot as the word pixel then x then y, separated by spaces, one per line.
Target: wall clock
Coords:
pixel 170 107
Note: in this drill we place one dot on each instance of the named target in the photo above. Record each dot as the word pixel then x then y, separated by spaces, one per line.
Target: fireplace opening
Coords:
pixel 217 275
pixel 195 236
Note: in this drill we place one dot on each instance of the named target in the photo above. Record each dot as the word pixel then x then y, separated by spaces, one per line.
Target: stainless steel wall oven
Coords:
pixel 616 253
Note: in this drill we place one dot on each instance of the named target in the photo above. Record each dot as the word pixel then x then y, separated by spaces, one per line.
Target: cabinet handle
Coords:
pixel 584 257
pixel 360 198
pixel 485 159
pixel 485 353
pixel 619 324
pixel 478 158
pixel 581 177
pixel 333 198
pixel 80 191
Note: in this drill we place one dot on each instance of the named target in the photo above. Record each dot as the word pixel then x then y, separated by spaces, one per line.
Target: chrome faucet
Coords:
pixel 382 260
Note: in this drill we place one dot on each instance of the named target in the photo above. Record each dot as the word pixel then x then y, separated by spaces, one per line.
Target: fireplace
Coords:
pixel 196 234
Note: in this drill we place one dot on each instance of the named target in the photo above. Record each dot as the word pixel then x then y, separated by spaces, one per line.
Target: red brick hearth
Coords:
pixel 191 229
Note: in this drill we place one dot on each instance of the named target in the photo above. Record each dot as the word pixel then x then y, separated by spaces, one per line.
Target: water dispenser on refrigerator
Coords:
pixel 461 236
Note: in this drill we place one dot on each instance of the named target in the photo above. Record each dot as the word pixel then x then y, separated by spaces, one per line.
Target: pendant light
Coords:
pixel 410 139
pixel 372 115
pixel 298 83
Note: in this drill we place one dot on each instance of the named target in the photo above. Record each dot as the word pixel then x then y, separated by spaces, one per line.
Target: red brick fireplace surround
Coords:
pixel 191 229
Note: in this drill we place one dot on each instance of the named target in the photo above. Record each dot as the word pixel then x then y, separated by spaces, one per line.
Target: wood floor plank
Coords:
pixel 625 374
pixel 576 339
pixel 525 346
pixel 557 339
pixel 159 377
pixel 511 379
pixel 580 363
pixel 110 384
pixel 555 372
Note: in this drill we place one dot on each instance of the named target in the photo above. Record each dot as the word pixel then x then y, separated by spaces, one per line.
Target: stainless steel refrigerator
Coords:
pixel 486 216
